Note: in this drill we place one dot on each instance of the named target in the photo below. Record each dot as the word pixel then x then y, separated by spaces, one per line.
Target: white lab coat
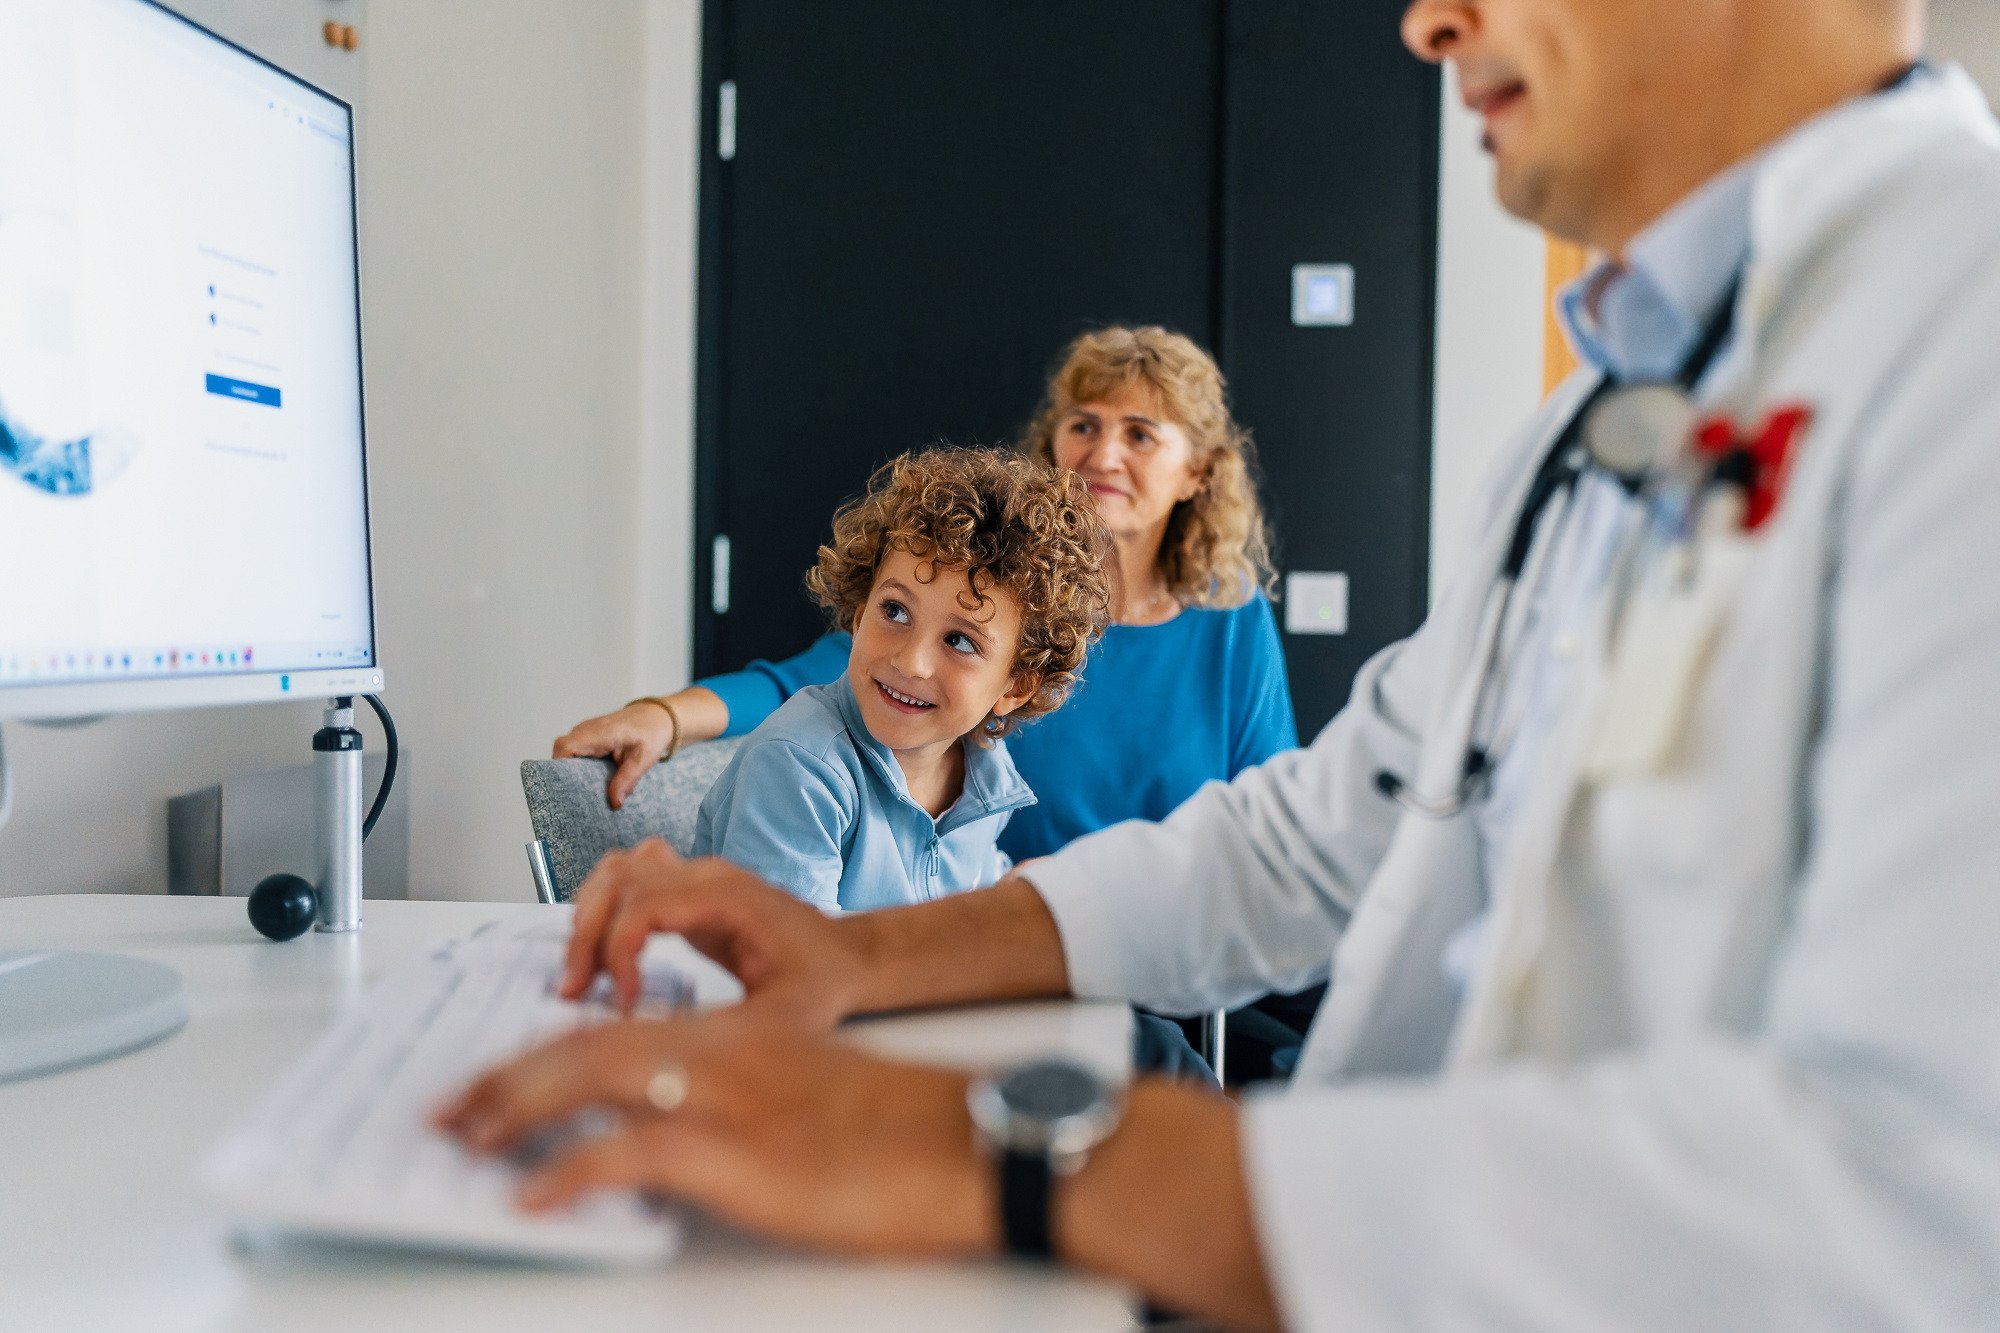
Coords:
pixel 1734 1060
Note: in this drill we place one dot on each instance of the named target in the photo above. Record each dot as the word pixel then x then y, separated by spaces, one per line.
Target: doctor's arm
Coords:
pixel 1836 1167
pixel 1246 884
pixel 1243 888
pixel 1247 887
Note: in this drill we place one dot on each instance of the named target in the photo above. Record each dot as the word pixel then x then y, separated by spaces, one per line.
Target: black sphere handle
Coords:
pixel 282 907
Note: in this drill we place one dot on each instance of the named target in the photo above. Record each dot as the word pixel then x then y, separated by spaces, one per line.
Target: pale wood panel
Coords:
pixel 1566 263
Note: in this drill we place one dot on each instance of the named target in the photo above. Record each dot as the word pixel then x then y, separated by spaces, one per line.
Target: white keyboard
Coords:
pixel 342 1146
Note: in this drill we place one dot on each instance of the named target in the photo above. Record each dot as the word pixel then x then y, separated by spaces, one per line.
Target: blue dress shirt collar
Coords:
pixel 1640 321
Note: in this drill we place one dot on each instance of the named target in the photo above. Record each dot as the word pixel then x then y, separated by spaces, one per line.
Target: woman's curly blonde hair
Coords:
pixel 1216 552
pixel 1004 520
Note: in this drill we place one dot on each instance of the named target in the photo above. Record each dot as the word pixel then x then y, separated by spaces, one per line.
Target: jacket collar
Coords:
pixel 992 783
pixel 1834 164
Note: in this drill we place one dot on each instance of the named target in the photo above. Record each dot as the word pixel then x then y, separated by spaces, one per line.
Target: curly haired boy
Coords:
pixel 973 583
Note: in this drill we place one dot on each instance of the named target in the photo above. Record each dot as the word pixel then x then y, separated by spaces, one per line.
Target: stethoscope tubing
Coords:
pixel 1557 475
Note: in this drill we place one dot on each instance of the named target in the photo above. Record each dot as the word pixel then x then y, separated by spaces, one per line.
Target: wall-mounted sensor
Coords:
pixel 1316 604
pixel 1322 295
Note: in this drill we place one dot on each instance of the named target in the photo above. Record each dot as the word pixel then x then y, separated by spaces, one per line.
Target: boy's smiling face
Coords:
pixel 925 669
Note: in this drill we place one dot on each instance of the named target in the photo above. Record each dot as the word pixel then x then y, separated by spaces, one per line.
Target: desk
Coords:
pixel 102 1226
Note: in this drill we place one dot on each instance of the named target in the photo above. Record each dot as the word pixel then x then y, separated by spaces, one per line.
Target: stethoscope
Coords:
pixel 1627 431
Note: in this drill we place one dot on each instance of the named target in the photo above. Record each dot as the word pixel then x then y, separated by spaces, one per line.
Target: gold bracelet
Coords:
pixel 674 742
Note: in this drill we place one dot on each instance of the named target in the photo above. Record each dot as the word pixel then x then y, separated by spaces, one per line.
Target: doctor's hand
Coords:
pixel 793 1136
pixel 793 960
pixel 809 1141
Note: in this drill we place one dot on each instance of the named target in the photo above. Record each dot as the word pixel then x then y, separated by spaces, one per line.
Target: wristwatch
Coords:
pixel 1040 1120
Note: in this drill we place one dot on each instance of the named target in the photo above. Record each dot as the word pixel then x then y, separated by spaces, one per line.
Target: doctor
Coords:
pixel 1658 874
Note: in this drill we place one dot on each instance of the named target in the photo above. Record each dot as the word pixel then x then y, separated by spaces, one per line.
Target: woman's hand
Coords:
pixel 793 1136
pixel 635 737
pixel 792 959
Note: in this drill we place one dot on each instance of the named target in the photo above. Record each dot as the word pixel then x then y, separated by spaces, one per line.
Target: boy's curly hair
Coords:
pixel 1005 520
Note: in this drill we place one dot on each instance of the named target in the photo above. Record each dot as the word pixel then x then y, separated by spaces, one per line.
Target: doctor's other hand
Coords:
pixel 792 1135
pixel 635 738
pixel 792 959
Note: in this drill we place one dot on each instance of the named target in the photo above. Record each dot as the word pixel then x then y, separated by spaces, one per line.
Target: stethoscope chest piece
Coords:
pixel 1632 432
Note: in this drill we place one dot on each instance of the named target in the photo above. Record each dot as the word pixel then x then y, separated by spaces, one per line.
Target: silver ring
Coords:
pixel 667 1089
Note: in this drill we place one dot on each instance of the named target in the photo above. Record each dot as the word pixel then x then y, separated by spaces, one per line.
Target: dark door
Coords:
pixel 914 206
pixel 924 203
pixel 1331 156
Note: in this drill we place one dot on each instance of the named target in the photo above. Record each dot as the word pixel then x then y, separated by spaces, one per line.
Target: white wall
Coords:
pixel 1491 275
pixel 663 645
pixel 528 206
pixel 1968 31
pixel 504 216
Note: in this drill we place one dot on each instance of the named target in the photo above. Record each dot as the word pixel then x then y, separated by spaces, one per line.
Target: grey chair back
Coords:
pixel 577 826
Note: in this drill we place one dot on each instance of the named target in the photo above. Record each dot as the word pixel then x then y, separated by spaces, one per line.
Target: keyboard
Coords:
pixel 342 1146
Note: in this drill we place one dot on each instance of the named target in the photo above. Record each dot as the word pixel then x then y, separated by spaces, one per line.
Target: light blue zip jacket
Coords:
pixel 817 806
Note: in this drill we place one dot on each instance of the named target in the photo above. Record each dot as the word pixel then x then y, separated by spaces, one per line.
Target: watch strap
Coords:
pixel 1025 1180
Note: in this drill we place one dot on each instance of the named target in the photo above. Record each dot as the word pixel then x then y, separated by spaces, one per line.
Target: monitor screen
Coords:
pixel 183 498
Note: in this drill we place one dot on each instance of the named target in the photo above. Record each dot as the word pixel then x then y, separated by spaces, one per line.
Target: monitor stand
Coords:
pixel 60 1009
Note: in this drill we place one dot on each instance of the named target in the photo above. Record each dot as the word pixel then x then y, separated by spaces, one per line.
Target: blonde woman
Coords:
pixel 1187 685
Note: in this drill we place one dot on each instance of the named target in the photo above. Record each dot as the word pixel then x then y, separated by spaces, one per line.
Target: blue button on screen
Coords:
pixel 245 391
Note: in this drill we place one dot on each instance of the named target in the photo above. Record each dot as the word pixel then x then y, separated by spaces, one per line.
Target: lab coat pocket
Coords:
pixel 1660 652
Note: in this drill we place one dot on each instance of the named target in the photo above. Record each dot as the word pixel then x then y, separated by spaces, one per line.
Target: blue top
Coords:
pixel 1162 709
pixel 816 805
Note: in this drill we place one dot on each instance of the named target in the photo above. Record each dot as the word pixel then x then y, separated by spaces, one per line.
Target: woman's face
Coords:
pixel 1136 461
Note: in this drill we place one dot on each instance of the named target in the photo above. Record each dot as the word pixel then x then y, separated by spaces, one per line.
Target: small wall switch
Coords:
pixel 1322 295
pixel 1316 604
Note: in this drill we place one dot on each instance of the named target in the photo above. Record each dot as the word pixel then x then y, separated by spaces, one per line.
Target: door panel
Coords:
pixel 926 202
pixel 1331 154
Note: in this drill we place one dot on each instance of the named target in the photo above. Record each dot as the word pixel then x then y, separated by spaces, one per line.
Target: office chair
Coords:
pixel 574 825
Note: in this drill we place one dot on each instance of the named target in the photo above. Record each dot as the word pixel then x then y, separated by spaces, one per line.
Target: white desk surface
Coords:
pixel 102 1226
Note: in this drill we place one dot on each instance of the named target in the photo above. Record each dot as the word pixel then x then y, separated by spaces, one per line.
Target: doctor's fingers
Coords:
pixel 642 1068
pixel 765 937
pixel 679 1158
pixel 863 1156
pixel 723 910
pixel 619 876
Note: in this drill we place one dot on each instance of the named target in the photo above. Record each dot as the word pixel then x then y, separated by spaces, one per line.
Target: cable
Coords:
pixel 388 768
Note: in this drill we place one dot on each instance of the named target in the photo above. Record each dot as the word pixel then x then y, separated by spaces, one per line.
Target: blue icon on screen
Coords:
pixel 245 391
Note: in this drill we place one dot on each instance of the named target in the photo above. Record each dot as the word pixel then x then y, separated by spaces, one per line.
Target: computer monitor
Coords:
pixel 183 487
pixel 183 498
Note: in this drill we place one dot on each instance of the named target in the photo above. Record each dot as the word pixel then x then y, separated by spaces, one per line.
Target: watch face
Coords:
pixel 1049 1091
